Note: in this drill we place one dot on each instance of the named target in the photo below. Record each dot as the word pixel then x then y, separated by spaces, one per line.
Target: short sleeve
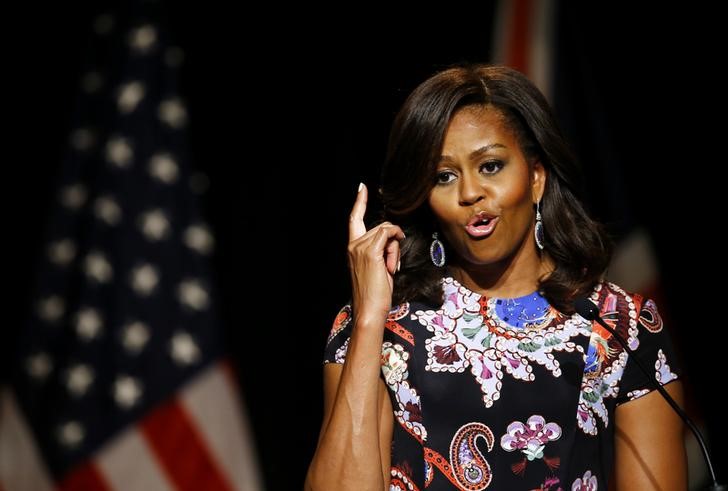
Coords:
pixel 655 350
pixel 338 341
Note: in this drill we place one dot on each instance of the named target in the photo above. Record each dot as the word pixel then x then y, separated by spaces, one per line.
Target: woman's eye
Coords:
pixel 491 167
pixel 445 177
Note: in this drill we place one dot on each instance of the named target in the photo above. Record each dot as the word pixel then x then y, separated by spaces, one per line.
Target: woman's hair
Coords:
pixel 579 246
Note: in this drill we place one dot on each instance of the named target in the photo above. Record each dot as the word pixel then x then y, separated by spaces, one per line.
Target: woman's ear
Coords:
pixel 539 174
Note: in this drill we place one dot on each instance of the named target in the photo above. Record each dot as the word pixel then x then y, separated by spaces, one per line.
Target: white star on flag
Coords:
pixel 71 434
pixel 79 378
pixel 154 224
pixel 183 349
pixel 39 365
pixel 97 267
pixel 163 167
pixel 61 252
pixel 173 112
pixel 88 323
pixel 192 294
pixel 108 210
pixel 119 152
pixel 199 238
pixel 143 39
pixel 130 95
pixel 135 337
pixel 127 391
pixel 51 309
pixel 144 279
pixel 73 196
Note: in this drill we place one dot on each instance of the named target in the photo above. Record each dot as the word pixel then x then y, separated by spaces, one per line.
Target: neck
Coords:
pixel 505 279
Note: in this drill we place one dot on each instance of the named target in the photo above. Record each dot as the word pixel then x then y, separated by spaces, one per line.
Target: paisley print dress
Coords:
pixel 509 393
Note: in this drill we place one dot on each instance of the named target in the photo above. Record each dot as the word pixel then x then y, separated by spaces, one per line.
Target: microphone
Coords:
pixel 586 308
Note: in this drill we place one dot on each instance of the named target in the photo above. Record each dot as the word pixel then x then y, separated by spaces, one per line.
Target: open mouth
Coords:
pixel 481 225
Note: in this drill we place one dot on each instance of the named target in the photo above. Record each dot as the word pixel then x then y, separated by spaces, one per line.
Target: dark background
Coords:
pixel 289 112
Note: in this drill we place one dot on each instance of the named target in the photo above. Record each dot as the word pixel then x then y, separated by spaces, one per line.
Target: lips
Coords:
pixel 481 225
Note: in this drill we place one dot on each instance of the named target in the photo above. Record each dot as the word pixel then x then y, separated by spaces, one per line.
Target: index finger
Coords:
pixel 356 219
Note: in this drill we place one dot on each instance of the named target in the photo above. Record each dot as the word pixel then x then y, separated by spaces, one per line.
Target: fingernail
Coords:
pixel 399 263
pixel 361 185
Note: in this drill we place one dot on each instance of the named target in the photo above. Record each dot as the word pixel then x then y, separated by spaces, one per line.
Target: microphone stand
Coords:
pixel 591 312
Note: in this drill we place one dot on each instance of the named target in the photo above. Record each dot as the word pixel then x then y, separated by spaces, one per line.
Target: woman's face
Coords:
pixel 485 192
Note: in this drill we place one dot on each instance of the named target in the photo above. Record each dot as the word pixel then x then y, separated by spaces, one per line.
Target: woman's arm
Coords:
pixel 356 433
pixel 354 445
pixel 649 443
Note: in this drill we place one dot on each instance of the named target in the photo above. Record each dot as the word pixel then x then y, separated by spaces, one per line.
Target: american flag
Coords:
pixel 120 381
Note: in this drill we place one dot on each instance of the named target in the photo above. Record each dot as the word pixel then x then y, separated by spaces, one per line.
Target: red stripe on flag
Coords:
pixel 176 442
pixel 84 478
pixel 519 36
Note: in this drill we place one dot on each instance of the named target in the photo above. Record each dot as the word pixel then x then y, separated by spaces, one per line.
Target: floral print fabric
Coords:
pixel 510 393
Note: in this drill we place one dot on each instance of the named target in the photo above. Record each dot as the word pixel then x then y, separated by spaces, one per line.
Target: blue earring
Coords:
pixel 437 251
pixel 538 229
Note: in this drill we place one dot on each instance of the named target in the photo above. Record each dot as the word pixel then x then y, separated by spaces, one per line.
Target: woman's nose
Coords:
pixel 471 190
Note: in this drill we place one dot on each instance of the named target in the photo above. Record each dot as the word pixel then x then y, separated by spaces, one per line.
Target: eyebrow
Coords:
pixel 475 153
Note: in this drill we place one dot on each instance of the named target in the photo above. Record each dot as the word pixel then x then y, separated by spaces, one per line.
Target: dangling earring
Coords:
pixel 437 251
pixel 538 229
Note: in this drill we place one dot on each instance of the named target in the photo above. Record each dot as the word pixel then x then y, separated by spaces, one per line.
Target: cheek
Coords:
pixel 445 213
pixel 513 197
pixel 438 204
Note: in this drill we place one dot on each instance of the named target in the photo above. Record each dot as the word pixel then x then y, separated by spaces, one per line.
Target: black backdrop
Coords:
pixel 288 116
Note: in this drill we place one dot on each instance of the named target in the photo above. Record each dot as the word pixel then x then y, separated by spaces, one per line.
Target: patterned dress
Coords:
pixel 510 393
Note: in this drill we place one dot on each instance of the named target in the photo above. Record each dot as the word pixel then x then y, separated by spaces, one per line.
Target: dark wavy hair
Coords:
pixel 578 245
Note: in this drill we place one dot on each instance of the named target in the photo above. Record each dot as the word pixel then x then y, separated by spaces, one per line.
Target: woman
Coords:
pixel 460 363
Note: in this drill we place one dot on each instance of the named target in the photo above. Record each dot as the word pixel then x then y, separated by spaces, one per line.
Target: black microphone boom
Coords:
pixel 586 308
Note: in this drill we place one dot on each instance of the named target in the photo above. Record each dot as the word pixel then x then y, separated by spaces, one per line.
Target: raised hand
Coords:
pixel 373 261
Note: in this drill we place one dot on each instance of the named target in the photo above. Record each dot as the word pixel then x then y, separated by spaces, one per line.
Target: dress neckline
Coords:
pixel 504 299
pixel 530 311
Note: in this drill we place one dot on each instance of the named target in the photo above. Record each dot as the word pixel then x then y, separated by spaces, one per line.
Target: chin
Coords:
pixel 482 259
